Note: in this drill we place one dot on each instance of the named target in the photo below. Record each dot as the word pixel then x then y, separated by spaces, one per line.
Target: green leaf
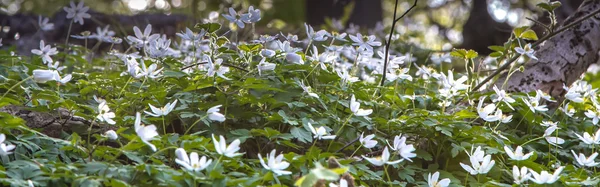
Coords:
pixel 549 6
pixel 301 134
pixel 519 30
pixel 496 48
pixel 529 34
pixel 209 27
pixel 463 53
pixel 222 41
pixel 250 47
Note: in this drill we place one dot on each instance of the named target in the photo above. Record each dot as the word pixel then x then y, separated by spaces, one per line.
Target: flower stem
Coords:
pixel 68 35
pixel 388 175
pixel 193 124
pixel 340 130
pixel 160 151
pixel 356 150
pixel 125 86
pixel 164 127
pixel 217 163
pixel 14 86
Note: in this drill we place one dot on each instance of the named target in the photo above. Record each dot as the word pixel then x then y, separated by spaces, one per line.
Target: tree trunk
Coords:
pixel 563 58
pixel 481 30
pixel 366 13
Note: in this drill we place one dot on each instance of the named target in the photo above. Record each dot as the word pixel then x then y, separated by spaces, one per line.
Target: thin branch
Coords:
pixel 389 40
pixel 541 24
pixel 348 144
pixel 192 65
pixel 537 43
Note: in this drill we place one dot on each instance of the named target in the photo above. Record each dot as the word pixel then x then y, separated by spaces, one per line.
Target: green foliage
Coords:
pixel 426 121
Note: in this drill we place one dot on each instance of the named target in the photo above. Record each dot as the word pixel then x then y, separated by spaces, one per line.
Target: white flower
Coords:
pixel 159 48
pixel 216 68
pixel 518 154
pixel 45 52
pixel 213 114
pixel 111 134
pixel 502 96
pixel 448 82
pixel 544 95
pixel 595 115
pixel 104 114
pixel 346 77
pixel 534 104
pixel 320 133
pixel 78 13
pixel 383 159
pixel 44 24
pixel 568 111
pixel 146 133
pixel 487 113
pixel 588 139
pixel 294 58
pixel 189 35
pixel 355 108
pixel 364 46
pixel 526 51
pixel 43 76
pixel 579 91
pixel 343 183
pixel 405 150
pixel 439 58
pixel 480 163
pixel 191 163
pixel 140 40
pixel 157 112
pixel 252 16
pixel 367 141
pixel 275 164
pixel 321 58
pixel 228 151
pixel 5 149
pixel 99 99
pixel 267 53
pixel 520 176
pixel 318 36
pixel 307 90
pixel 265 66
pixel 103 34
pixel 585 161
pixel 544 177
pixel 432 180
pixel 234 17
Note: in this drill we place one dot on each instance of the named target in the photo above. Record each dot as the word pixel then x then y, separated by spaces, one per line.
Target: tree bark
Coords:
pixel 563 58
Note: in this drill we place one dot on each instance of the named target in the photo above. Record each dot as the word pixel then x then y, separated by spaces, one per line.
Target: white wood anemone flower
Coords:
pixel 214 115
pixel 545 177
pixel 146 133
pixel 480 163
pixel 163 111
pixel 275 163
pixel 193 162
pixel 228 151
pixel 320 133
pixel 432 180
pixel 383 159
pixel 5 149
pixel 355 108
pixel 517 154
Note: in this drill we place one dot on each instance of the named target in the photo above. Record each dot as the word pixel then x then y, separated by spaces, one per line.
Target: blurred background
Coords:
pixel 434 24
